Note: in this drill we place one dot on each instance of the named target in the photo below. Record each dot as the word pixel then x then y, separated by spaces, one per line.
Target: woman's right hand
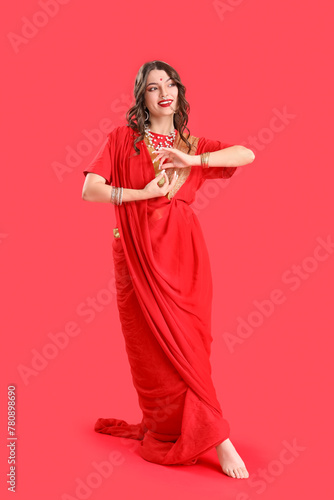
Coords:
pixel 153 190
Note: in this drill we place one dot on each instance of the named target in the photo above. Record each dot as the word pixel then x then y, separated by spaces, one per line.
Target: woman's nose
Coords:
pixel 163 92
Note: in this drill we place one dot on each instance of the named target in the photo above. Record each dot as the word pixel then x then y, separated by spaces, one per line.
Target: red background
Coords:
pixel 239 63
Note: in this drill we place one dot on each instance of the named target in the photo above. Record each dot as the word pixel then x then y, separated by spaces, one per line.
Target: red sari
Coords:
pixel 164 297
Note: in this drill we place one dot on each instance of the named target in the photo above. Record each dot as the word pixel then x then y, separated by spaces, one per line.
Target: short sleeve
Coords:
pixel 205 145
pixel 101 164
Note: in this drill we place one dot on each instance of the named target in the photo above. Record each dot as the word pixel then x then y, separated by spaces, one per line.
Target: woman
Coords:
pixel 162 270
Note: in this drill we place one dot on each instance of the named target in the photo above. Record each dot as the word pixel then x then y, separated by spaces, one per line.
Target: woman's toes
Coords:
pixel 245 472
pixel 230 472
pixel 237 473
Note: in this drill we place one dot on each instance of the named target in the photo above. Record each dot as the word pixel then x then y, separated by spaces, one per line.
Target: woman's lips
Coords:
pixel 165 104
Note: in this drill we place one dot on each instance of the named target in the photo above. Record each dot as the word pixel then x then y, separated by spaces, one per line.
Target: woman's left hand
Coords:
pixel 177 159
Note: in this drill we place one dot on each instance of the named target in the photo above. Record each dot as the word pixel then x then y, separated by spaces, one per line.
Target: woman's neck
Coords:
pixel 163 125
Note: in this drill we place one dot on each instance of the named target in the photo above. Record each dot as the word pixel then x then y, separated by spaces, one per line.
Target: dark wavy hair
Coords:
pixel 136 116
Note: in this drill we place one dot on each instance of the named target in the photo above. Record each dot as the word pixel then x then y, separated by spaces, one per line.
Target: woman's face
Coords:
pixel 160 94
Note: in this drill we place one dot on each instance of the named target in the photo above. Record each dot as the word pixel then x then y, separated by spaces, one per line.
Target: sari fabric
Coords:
pixel 164 296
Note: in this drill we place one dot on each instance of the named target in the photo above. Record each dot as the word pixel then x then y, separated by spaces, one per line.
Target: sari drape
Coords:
pixel 164 296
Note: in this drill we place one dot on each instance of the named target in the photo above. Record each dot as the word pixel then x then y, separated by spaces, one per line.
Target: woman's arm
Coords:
pixel 96 189
pixel 233 156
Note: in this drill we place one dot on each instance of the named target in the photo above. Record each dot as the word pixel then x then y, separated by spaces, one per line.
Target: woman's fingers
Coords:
pixel 160 176
pixel 167 185
pixel 167 165
pixel 162 156
pixel 162 159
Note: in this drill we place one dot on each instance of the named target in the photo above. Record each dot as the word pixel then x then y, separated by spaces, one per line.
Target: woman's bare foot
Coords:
pixel 230 460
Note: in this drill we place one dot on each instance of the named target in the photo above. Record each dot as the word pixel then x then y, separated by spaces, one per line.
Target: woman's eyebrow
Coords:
pixel 153 83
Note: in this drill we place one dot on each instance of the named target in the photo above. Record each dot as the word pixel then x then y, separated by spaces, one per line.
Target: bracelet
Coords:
pixel 113 192
pixel 205 159
pixel 116 195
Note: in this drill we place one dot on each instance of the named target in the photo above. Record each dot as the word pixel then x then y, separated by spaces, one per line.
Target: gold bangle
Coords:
pixel 205 159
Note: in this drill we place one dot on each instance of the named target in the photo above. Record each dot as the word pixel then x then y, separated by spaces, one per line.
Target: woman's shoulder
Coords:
pixel 120 130
pixel 121 135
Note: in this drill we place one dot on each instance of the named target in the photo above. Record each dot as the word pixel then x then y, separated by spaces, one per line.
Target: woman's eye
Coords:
pixel 154 88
